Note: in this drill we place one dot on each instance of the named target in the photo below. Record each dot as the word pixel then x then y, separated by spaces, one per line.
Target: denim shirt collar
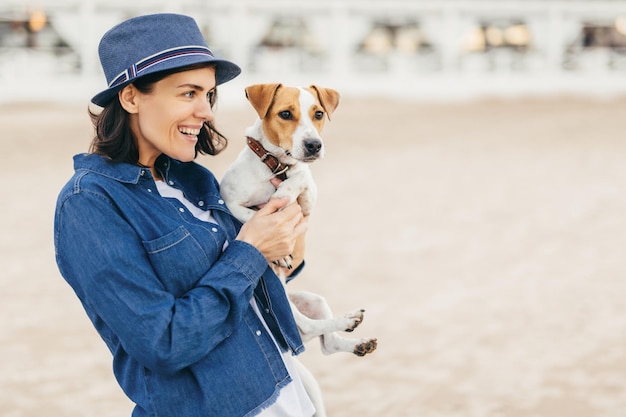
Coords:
pixel 173 171
pixel 119 171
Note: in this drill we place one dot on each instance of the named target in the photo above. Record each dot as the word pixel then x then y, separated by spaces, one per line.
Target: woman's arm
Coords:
pixel 104 260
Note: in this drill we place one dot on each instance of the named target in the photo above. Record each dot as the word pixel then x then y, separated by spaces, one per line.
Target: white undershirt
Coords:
pixel 292 401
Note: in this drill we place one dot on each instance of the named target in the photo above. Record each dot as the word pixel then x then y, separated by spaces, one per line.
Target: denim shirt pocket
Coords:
pixel 178 259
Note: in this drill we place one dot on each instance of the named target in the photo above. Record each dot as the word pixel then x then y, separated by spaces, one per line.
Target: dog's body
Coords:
pixel 290 136
pixel 282 141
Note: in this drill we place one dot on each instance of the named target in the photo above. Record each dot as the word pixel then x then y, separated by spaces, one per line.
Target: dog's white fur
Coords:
pixel 248 183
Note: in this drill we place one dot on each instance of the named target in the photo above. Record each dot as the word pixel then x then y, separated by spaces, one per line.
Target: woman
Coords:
pixel 196 321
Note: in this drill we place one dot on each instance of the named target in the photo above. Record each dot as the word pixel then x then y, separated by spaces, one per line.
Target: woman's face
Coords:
pixel 169 118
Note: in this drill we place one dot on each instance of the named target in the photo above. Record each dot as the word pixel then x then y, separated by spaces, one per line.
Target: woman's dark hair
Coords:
pixel 114 138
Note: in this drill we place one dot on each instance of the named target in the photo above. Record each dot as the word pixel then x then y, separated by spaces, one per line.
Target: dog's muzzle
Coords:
pixel 312 148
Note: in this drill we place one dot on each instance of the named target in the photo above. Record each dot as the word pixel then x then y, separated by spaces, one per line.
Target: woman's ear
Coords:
pixel 128 98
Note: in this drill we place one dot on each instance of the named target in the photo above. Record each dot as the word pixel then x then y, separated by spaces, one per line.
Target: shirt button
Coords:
pixel 214 229
pixel 170 182
pixel 267 310
pixel 220 201
pixel 201 203
pixel 182 210
pixel 258 333
pixel 149 190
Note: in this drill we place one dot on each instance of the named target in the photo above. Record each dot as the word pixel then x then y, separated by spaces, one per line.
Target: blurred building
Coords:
pixel 393 39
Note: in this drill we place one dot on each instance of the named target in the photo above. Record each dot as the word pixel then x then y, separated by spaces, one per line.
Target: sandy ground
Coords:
pixel 485 240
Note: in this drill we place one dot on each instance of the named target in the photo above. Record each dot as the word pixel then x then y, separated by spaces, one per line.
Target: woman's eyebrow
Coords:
pixel 192 86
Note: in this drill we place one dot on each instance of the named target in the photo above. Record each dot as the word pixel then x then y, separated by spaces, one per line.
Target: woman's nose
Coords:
pixel 204 110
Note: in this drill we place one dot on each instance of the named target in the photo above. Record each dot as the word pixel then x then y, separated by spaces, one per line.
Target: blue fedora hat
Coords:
pixel 147 44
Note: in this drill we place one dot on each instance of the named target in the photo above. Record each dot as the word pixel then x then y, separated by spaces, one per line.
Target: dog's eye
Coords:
pixel 285 115
pixel 319 115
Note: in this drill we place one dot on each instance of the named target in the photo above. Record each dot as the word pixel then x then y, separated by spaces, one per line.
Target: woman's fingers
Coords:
pixel 273 230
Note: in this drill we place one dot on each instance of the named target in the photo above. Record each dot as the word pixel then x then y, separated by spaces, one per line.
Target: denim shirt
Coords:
pixel 171 305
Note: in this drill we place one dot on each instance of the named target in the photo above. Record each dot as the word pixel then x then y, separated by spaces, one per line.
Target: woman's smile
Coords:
pixel 189 131
pixel 190 134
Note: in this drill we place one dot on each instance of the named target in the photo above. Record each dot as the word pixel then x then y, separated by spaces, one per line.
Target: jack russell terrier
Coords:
pixel 283 140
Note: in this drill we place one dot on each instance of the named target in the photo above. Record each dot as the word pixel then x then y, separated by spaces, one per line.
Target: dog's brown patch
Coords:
pixel 279 130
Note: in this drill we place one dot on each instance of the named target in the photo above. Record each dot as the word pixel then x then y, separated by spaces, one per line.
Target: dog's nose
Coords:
pixel 312 146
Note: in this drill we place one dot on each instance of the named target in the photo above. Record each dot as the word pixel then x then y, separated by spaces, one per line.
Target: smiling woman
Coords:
pixel 181 292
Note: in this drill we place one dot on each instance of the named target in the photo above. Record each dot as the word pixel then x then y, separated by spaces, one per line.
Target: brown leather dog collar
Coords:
pixel 278 168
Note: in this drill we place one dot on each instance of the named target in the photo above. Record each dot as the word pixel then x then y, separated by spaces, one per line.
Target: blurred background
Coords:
pixel 472 197
pixel 416 48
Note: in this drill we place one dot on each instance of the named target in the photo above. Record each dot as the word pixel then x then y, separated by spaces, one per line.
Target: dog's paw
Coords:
pixel 366 346
pixel 354 319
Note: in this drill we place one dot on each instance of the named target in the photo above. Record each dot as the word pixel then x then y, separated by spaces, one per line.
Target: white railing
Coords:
pixel 389 44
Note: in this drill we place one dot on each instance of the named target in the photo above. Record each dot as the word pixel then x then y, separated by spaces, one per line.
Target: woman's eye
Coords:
pixel 319 115
pixel 285 115
pixel 210 96
pixel 190 94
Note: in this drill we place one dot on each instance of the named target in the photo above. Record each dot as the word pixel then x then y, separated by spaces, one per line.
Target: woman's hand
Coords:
pixel 274 229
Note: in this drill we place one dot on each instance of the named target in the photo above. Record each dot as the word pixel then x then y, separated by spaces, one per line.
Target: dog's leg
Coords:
pixel 315 319
pixel 312 388
pixel 293 188
pixel 299 187
pixel 306 200
pixel 308 196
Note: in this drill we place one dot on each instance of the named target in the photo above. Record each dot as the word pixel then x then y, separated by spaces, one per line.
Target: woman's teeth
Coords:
pixel 189 131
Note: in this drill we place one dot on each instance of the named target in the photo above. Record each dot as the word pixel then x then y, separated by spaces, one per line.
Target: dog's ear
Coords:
pixel 261 97
pixel 329 99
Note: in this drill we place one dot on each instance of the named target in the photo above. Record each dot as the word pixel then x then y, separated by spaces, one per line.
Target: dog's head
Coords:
pixel 293 117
